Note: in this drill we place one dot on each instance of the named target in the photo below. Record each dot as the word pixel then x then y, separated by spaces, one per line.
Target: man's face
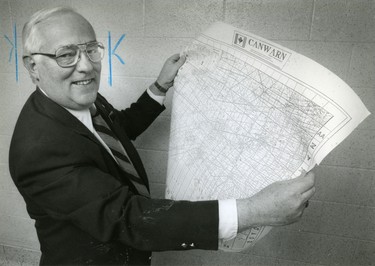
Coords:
pixel 74 87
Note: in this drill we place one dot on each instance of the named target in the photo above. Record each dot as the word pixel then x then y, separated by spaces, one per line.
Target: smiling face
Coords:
pixel 74 87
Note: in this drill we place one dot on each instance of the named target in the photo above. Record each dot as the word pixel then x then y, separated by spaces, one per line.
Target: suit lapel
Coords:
pixel 63 116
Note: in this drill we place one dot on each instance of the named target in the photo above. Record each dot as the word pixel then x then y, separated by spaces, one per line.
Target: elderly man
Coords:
pixel 83 181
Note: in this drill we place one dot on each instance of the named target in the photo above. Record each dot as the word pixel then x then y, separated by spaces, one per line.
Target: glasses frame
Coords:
pixel 78 56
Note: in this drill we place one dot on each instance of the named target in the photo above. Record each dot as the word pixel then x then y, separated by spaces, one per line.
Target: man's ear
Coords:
pixel 30 65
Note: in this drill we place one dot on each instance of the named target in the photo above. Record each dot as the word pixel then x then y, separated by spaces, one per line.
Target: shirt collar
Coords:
pixel 82 115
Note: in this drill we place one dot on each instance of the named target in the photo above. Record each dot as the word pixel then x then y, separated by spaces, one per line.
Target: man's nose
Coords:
pixel 84 63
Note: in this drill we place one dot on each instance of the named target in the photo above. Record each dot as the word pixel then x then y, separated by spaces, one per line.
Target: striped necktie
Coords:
pixel 119 153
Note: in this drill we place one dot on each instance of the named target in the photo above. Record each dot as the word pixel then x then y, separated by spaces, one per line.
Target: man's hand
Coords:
pixel 280 203
pixel 169 70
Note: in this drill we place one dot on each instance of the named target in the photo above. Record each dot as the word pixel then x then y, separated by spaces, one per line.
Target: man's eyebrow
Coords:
pixel 73 44
pixel 87 42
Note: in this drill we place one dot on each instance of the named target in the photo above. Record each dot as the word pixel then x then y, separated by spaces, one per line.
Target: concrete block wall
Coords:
pixel 338 228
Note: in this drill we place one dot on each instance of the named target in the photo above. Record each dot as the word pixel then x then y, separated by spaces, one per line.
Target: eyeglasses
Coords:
pixel 69 55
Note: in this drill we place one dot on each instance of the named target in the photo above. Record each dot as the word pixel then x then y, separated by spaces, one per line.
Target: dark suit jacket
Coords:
pixel 85 209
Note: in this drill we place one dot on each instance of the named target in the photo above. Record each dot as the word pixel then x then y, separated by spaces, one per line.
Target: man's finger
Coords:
pixel 308 194
pixel 181 61
pixel 310 180
pixel 174 58
pixel 304 183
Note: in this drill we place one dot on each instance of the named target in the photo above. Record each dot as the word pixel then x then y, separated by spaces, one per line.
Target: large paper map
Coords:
pixel 248 112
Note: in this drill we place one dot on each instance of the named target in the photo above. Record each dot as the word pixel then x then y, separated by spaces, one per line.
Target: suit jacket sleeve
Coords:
pixel 61 174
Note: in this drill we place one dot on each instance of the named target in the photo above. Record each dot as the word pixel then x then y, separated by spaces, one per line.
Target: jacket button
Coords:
pixel 192 245
pixel 184 245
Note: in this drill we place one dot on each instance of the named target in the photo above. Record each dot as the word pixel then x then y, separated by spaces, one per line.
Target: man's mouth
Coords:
pixel 83 82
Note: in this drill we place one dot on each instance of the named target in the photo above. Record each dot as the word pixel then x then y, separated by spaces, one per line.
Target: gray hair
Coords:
pixel 30 40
